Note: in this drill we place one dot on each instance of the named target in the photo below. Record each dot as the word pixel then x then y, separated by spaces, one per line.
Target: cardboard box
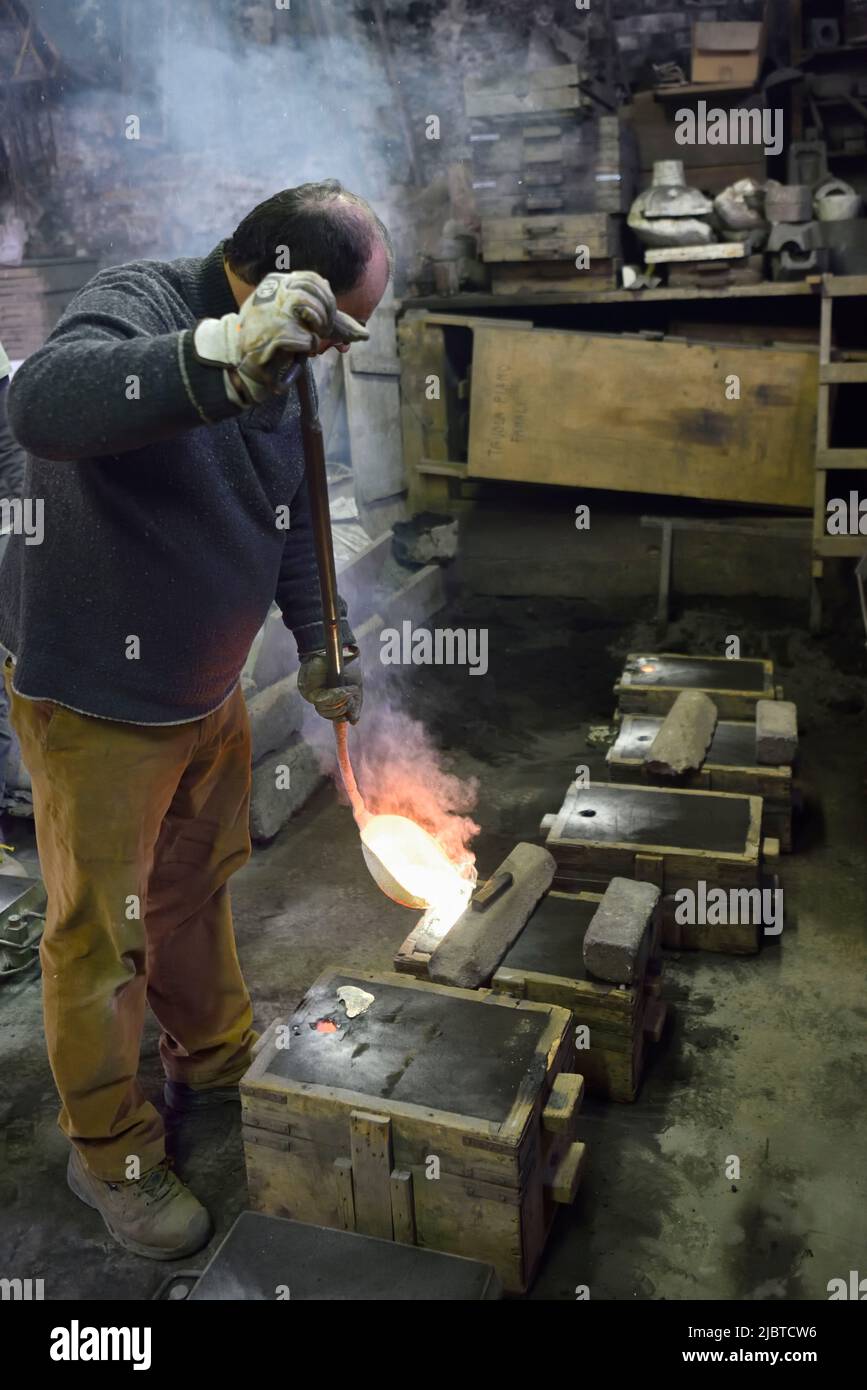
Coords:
pixel 728 52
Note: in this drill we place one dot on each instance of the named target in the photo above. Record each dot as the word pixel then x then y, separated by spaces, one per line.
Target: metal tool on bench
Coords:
pixel 402 858
pixel 22 918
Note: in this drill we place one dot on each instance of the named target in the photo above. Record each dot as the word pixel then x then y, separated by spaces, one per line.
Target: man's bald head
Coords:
pixel 316 226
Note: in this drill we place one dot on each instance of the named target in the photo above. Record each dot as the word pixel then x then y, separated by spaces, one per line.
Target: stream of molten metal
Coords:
pixel 421 873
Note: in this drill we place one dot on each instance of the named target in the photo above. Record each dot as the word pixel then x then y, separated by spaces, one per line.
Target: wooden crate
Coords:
pixel 546 965
pixel 671 838
pixel 551 237
pixel 525 93
pixel 552 277
pixel 730 766
pixel 616 411
pixel 566 163
pixel 651 682
pixel 347 1122
pixel 564 141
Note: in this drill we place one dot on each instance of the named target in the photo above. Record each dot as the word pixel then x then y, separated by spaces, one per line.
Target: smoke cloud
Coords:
pixel 400 771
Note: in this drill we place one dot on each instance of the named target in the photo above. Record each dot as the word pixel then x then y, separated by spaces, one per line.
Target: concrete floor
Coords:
pixel 764 1058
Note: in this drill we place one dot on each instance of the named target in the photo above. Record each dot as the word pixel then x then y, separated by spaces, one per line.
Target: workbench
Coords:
pixel 560 427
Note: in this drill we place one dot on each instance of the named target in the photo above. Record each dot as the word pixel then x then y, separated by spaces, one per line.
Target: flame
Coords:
pixel 420 872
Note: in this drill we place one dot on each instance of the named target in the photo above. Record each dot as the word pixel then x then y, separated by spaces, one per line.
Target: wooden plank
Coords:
pixel 717 251
pixel 844 286
pixel 843 373
pixel 423 417
pixel 536 79
pixel 550 237
pixel 370 372
pixel 567 1179
pixel 841 458
pixel 768 289
pixel 841 547
pixel 370 1140
pixel 345 1195
pixel 643 416
pixel 442 470
pixel 402 1206
pixel 534 101
pixel 564 1102
pixel 650 868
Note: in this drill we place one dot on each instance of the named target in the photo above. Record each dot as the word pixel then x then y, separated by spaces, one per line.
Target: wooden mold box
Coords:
pixel 730 766
pixel 439 1117
pixel 651 682
pixel 669 837
pixel 546 964
pixel 551 237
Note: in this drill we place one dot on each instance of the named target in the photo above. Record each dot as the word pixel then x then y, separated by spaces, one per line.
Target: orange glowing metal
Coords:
pixel 407 863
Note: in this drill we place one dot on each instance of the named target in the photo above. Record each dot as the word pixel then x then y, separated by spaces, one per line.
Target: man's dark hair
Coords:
pixel 325 228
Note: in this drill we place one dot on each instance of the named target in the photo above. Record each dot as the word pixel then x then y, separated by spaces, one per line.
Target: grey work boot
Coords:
pixel 181 1099
pixel 155 1216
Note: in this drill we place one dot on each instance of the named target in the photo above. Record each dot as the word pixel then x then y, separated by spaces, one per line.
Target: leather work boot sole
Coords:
pixel 182 1099
pixel 155 1216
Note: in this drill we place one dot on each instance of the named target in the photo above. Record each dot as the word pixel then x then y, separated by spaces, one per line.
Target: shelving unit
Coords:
pixel 843 371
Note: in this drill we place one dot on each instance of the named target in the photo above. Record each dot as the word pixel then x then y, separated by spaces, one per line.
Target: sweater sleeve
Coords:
pixel 298 595
pixel 12 458
pixel 110 378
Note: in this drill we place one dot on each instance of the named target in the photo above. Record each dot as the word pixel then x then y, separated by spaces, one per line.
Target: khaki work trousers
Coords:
pixel 139 827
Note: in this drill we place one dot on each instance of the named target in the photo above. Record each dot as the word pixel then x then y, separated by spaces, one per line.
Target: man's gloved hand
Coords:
pixel 286 315
pixel 332 702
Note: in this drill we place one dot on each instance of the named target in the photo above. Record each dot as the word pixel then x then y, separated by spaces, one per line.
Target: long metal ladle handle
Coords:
pixel 320 515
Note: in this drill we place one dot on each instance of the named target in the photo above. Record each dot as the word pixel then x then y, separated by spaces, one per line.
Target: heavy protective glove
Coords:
pixel 286 315
pixel 332 702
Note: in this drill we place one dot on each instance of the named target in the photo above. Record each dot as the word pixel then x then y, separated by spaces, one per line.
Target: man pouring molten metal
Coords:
pixel 166 446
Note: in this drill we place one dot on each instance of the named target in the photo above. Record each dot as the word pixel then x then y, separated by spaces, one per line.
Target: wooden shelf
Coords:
pixel 826 459
pixel 843 373
pixel 841 547
pixel 458 303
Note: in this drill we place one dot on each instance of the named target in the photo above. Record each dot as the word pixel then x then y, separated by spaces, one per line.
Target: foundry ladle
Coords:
pixel 421 859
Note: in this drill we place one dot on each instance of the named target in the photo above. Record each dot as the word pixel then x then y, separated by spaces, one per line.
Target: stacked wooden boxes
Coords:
pixel 429 1115
pixel 646 690
pixel 549 176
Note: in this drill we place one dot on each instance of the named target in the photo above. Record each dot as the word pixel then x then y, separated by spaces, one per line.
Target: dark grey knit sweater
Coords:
pixel 161 505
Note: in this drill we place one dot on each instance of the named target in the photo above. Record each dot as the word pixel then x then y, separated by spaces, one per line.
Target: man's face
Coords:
pixel 361 301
